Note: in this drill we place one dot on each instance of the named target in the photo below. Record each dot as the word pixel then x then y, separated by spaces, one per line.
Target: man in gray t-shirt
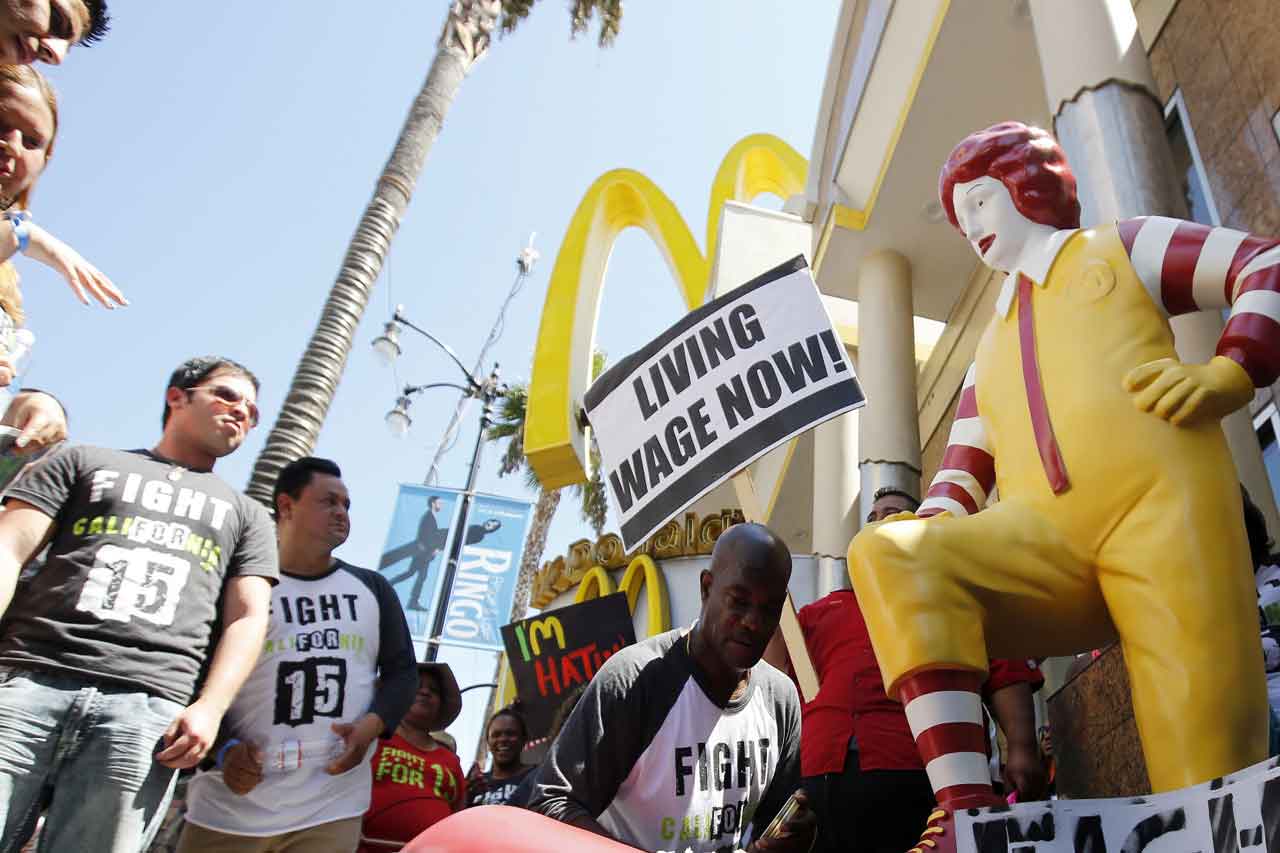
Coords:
pixel 121 651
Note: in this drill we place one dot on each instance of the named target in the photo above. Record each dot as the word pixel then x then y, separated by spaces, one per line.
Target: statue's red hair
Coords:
pixel 1027 160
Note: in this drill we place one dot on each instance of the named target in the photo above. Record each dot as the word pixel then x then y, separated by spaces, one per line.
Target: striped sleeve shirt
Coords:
pixel 968 470
pixel 1189 267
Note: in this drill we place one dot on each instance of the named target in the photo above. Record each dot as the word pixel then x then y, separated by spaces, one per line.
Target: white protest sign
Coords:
pixel 730 381
pixel 1234 814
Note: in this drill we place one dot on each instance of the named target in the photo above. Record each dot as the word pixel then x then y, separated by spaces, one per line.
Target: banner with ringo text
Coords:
pixel 484 586
pixel 418 542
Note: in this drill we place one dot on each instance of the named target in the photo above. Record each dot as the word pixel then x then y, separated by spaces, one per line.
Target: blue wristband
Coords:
pixel 20 220
pixel 222 753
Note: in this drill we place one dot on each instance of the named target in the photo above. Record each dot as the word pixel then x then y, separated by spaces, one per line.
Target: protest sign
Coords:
pixel 727 383
pixel 554 652
pixel 488 565
pixel 418 541
pixel 1227 815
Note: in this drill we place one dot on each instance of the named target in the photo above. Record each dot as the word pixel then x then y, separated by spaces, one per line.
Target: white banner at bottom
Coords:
pixel 1239 813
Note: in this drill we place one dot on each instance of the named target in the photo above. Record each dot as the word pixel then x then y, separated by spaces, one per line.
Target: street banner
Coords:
pixel 729 382
pixel 418 541
pixel 1235 813
pixel 559 650
pixel 484 586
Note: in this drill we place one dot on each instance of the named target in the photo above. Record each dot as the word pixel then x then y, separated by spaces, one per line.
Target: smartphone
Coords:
pixel 788 810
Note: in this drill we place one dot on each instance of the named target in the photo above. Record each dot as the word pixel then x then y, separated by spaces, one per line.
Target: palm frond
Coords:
pixel 581 13
pixel 593 496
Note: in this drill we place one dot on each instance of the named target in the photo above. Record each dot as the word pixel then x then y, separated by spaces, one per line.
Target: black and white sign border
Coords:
pixel 769 433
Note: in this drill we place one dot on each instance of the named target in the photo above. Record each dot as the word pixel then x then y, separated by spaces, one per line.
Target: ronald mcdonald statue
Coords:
pixel 1118 512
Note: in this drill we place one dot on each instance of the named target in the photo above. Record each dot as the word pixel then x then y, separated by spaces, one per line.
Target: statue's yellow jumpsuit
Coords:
pixel 1146 543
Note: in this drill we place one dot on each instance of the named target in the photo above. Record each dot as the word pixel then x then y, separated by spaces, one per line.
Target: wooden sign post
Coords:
pixel 753 509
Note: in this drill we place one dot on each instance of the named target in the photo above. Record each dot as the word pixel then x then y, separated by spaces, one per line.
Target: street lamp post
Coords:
pixel 489 392
pixel 387 345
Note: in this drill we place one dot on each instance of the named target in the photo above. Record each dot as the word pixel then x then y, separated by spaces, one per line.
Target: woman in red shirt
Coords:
pixel 417 780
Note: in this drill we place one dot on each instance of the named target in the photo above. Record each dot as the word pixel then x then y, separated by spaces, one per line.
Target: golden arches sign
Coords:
pixel 595 583
pixel 642 574
pixel 554 441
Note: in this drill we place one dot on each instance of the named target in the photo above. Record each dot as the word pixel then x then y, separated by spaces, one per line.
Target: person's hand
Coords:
pixel 40 418
pixel 1188 394
pixel 476 783
pixel 906 515
pixel 1025 772
pixel 84 278
pixel 7 371
pixel 794 836
pixel 356 737
pixel 242 768
pixel 190 735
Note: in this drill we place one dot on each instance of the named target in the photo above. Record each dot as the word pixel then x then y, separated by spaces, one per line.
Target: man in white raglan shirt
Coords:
pixel 687 739
pixel 337 671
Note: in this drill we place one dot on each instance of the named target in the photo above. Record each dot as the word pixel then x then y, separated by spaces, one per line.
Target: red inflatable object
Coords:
pixel 484 829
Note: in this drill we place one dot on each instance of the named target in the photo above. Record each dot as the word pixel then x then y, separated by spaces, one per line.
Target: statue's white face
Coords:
pixel 991 223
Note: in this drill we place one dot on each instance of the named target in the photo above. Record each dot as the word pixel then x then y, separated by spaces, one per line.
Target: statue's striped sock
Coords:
pixel 944 710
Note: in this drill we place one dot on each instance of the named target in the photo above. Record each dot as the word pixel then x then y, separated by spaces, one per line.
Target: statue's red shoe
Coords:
pixel 939 835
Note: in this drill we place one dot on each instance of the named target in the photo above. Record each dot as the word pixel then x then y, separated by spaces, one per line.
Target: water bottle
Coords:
pixel 289 756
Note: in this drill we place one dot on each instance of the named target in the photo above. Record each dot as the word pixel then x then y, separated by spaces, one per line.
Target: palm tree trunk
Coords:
pixel 465 40
pixel 543 511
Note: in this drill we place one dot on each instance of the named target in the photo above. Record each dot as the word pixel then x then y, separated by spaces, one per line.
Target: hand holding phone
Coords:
pixel 792 830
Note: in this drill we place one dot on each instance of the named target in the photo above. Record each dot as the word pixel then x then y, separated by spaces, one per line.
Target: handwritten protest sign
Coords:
pixel 558 650
pixel 727 383
pixel 1240 812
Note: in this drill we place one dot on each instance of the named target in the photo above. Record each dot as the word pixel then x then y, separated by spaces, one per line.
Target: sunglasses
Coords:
pixel 231 398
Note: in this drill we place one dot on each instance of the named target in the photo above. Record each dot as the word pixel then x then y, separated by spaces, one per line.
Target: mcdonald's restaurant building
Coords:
pixel 1163 107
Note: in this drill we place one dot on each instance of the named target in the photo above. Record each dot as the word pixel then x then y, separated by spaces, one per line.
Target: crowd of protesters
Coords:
pixel 158 623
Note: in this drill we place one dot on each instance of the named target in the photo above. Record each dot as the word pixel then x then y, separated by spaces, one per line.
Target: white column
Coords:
pixel 889 425
pixel 835 498
pixel 1108 118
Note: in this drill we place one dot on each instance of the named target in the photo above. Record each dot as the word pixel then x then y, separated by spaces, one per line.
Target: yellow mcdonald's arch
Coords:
pixel 554 442
pixel 643 572
pixel 595 583
pixel 759 163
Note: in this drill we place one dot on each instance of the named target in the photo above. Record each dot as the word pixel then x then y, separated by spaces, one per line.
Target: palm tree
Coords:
pixel 464 41
pixel 508 423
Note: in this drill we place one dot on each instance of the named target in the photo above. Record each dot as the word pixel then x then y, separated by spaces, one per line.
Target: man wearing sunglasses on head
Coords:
pixel 120 653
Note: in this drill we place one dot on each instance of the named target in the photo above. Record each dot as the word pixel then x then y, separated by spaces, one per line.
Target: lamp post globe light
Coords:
pixel 487 390
pixel 398 420
pixel 387 345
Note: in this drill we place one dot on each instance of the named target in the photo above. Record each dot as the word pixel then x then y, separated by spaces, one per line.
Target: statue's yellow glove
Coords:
pixel 1189 394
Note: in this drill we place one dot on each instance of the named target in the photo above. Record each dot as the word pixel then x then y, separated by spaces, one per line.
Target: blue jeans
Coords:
pixel 86 750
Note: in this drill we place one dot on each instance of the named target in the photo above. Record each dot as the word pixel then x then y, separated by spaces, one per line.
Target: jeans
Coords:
pixel 86 751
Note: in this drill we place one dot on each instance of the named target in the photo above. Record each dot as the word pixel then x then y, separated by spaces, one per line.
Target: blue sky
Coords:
pixel 215 167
